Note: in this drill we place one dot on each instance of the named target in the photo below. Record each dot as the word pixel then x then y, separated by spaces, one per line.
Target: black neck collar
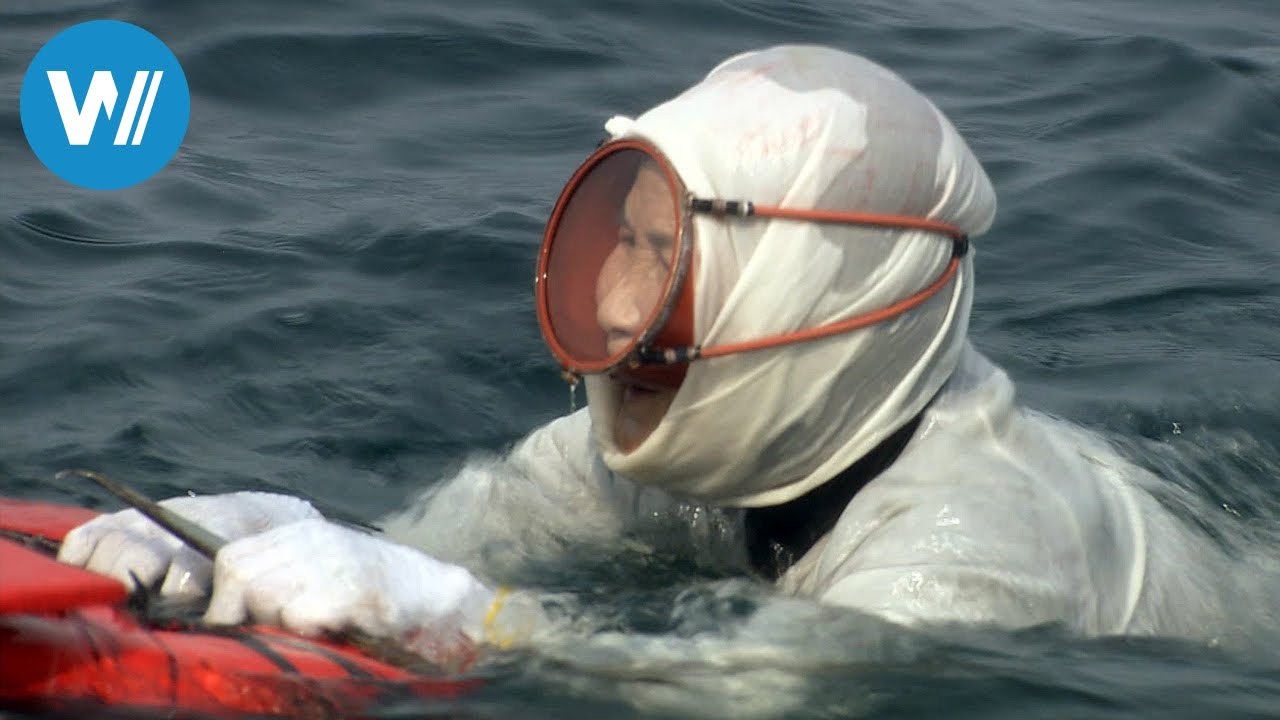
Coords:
pixel 779 535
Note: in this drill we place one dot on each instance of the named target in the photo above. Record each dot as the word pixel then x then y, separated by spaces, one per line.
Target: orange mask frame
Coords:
pixel 661 352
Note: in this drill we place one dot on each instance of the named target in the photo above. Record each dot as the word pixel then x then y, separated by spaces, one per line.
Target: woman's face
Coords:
pixel 628 289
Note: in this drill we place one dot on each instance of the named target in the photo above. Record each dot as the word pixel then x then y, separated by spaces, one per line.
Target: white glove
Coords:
pixel 126 544
pixel 314 576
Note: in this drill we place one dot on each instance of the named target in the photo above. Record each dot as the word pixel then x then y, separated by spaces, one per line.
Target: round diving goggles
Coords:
pixel 613 281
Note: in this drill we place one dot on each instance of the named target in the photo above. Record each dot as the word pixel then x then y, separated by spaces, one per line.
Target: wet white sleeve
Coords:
pixel 499 513
pixel 552 495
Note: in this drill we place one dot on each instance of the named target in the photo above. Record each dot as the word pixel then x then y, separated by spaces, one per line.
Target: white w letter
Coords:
pixel 79 122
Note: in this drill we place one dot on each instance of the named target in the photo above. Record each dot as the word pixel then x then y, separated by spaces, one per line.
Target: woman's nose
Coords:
pixel 622 301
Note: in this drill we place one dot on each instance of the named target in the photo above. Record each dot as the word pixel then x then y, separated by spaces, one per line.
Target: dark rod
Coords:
pixel 203 541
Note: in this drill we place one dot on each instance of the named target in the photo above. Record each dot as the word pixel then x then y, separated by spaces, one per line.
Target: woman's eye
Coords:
pixel 660 256
pixel 661 249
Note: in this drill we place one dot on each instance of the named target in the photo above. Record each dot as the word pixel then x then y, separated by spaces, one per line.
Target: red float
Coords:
pixel 71 641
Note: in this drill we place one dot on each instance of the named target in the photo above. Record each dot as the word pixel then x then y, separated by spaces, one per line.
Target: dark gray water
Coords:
pixel 328 291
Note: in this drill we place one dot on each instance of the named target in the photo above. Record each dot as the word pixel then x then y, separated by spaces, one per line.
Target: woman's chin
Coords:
pixel 627 435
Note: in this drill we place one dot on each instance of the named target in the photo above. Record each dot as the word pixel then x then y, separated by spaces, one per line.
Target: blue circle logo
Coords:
pixel 105 105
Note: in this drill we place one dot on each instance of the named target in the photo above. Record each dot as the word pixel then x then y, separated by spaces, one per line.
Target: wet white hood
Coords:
pixel 805 127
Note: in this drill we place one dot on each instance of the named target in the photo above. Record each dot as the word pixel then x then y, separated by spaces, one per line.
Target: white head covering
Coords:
pixel 804 127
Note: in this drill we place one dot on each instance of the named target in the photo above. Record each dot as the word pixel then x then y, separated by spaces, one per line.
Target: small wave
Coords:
pixel 64 227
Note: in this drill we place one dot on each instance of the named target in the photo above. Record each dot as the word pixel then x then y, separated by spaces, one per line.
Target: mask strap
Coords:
pixel 745 208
